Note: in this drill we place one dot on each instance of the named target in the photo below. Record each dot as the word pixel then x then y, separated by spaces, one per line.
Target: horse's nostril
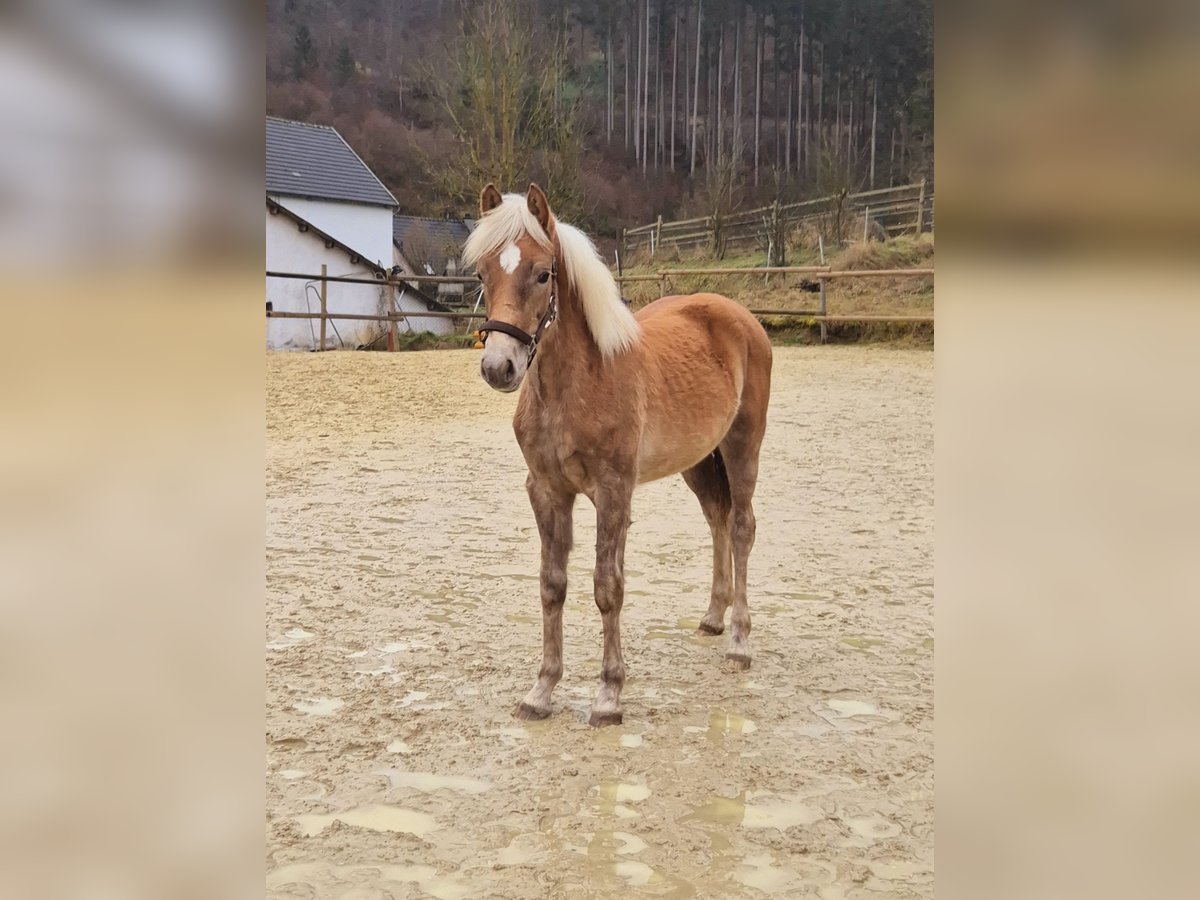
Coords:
pixel 509 371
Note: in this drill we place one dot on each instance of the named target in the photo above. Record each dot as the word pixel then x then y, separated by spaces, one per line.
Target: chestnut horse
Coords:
pixel 612 400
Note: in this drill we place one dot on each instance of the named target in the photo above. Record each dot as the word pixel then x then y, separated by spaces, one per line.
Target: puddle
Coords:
pixel 758 872
pixel 622 792
pixel 290 638
pixel 412 697
pixel 862 643
pixel 428 782
pixel 614 737
pixel 322 706
pixel 518 853
pixel 399 747
pixel 621 843
pixel 376 817
pixel 849 708
pixel 396 647
pixel 779 814
pixel 444 620
pixel 636 873
pixel 721 723
pixel 292 774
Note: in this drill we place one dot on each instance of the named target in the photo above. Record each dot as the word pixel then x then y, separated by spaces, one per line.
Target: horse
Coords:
pixel 611 399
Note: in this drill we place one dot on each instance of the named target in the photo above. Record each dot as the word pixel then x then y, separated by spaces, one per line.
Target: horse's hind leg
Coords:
pixel 739 450
pixel 708 482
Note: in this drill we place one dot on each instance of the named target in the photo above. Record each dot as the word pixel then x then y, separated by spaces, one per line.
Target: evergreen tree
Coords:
pixel 344 67
pixel 304 53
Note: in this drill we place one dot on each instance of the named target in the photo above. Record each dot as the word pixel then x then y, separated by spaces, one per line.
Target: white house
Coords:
pixel 425 246
pixel 324 206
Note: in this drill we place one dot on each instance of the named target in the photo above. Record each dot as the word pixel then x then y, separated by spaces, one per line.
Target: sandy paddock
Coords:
pixel 403 626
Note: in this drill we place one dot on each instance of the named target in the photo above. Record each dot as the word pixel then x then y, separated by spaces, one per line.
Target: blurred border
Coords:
pixel 131 515
pixel 131 470
pixel 1068 430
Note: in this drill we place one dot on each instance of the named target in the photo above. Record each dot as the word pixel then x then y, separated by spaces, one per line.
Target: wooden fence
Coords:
pixel 899 210
pixel 819 274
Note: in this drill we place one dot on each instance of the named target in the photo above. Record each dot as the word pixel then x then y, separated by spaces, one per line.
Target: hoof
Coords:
pixel 739 661
pixel 527 713
pixel 599 720
pixel 705 628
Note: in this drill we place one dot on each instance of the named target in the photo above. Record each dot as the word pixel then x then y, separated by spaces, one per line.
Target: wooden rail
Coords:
pixel 820 273
pixel 900 209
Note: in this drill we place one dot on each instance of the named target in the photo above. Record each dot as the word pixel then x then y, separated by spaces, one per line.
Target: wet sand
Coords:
pixel 403 626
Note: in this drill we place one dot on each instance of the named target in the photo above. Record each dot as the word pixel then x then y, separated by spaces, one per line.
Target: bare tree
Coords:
pixel 674 70
pixel 874 126
pixel 720 122
pixel 696 97
pixel 646 88
pixel 737 93
pixel 608 118
pixel 498 90
pixel 758 42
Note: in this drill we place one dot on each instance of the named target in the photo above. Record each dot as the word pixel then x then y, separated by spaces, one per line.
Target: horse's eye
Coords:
pixel 479 277
pixel 543 278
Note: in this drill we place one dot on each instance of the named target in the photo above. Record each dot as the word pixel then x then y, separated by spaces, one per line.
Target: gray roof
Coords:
pixel 433 241
pixel 315 161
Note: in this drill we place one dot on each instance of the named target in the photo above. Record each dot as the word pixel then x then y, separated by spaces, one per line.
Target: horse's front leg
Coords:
pixel 612 525
pixel 552 509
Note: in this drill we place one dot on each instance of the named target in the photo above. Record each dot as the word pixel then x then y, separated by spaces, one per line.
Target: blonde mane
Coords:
pixel 612 325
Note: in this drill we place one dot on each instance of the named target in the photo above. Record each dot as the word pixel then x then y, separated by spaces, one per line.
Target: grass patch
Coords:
pixel 422 340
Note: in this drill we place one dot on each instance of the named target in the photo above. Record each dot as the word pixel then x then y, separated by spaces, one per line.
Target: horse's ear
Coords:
pixel 539 206
pixel 489 199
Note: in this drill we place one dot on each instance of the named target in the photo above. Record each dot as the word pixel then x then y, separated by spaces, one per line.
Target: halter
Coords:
pixel 529 340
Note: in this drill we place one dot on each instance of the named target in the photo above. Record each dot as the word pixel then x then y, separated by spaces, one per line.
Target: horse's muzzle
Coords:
pixel 504 362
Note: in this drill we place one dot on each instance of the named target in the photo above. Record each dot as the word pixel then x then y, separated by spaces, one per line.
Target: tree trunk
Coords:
pixel 758 54
pixel 800 94
pixel 737 93
pixel 674 77
pixel 631 120
pixel 837 128
pixel 608 111
pixel 892 161
pixel 646 89
pixel 787 141
pixel 850 134
pixel 874 126
pixel 696 84
pixel 810 89
pixel 658 85
pixel 821 121
pixel 720 121
pixel 711 124
pixel 775 90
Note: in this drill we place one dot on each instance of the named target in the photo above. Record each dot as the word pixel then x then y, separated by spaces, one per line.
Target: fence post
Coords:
pixel 662 282
pixel 324 286
pixel 866 219
pixel 822 283
pixel 391 312
pixel 657 235
pixel 921 209
pixel 620 248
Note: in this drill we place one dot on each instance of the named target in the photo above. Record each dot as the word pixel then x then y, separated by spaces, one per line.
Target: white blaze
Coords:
pixel 510 258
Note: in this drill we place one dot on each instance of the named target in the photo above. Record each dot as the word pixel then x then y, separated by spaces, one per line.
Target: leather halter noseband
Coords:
pixel 529 340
